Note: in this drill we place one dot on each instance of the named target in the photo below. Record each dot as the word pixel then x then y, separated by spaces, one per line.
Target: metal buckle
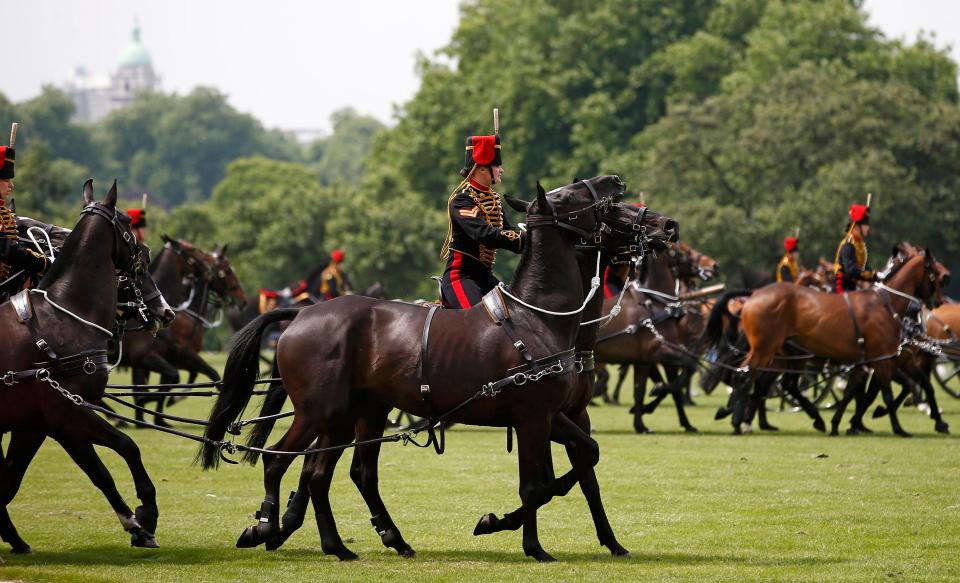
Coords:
pixel 9 378
pixel 42 344
pixel 43 375
pixel 89 367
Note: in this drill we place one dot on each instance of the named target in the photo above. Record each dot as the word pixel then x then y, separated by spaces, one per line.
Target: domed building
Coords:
pixel 96 96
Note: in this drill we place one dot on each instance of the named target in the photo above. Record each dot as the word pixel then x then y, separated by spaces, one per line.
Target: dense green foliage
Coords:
pixel 789 506
pixel 744 119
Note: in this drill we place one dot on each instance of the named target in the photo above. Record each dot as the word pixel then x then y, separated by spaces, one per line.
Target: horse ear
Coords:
pixel 88 191
pixel 223 250
pixel 575 180
pixel 516 204
pixel 111 200
pixel 542 203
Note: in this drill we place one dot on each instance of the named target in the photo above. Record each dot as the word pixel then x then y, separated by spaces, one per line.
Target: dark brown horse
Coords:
pixel 63 344
pixel 196 283
pixel 629 339
pixel 346 363
pixel 828 327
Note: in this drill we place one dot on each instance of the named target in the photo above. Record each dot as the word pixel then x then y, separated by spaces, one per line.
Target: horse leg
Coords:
pixel 141 524
pixel 297 504
pixel 739 401
pixel 584 453
pixel 140 377
pixel 791 385
pixel 323 468
pixel 536 469
pixel 940 426
pixel 169 374
pixel 274 466
pixel 854 387
pixel 764 384
pixel 640 374
pixel 365 475
pixel 887 391
pixel 602 380
pixel 678 382
pixel 624 369
pixel 23 446
pixel 864 398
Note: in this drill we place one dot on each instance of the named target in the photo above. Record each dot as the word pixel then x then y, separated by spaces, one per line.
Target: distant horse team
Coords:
pixel 545 342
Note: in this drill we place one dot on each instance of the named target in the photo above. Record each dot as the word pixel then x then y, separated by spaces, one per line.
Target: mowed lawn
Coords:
pixel 790 506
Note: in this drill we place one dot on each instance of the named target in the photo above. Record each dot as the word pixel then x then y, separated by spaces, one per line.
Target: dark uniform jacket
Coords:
pixel 478 228
pixel 787 268
pixel 851 264
pixel 13 255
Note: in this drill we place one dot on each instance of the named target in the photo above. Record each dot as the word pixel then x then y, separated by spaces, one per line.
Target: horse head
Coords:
pixel 592 210
pixel 916 267
pixel 690 264
pixel 224 280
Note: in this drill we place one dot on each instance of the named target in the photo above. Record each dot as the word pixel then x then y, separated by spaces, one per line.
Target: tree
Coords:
pixel 340 157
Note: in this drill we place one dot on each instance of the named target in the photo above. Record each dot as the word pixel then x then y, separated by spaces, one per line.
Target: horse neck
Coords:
pixel 549 277
pixel 907 279
pixel 167 272
pixel 659 277
pixel 587 335
pixel 83 279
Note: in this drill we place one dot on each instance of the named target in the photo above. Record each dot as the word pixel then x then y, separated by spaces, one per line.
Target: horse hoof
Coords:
pixel 344 554
pixel 769 427
pixel 942 427
pixel 642 429
pixel 277 541
pixel 853 431
pixel 820 426
pixel 879 412
pixel 541 556
pixel 903 433
pixel 722 413
pixel 834 432
pixel 21 550
pixel 649 408
pixel 249 538
pixel 485 525
pixel 143 539
pixel 864 429
pixel 407 552
pixel 691 429
pixel 618 551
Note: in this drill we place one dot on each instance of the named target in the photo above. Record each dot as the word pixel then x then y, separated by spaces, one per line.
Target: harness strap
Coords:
pixel 421 364
pixel 861 343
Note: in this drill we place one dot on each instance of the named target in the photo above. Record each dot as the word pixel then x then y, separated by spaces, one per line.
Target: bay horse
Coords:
pixel 71 315
pixel 829 327
pixel 628 340
pixel 344 372
pixel 195 282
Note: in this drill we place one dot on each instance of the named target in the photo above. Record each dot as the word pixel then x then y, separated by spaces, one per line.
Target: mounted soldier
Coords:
pixel 16 260
pixel 476 226
pixel 138 223
pixel 850 263
pixel 333 281
pixel 787 269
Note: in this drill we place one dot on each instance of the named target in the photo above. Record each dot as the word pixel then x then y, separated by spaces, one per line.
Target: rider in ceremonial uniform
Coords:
pixel 13 256
pixel 138 223
pixel 850 264
pixel 787 269
pixel 333 282
pixel 476 227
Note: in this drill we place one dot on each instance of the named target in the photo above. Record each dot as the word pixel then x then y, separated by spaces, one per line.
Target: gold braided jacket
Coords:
pixel 8 230
pixel 858 245
pixel 790 263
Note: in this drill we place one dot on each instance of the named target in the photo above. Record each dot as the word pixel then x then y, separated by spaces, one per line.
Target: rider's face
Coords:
pixel 6 187
pixel 864 229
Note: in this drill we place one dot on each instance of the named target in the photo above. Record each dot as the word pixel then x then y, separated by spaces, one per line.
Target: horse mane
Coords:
pixel 69 250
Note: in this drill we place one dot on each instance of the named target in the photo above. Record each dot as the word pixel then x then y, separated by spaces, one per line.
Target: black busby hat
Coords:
pixel 481 151
pixel 7 156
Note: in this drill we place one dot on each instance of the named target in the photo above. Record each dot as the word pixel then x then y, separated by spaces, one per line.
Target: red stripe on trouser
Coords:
pixel 840 282
pixel 455 280
pixel 606 289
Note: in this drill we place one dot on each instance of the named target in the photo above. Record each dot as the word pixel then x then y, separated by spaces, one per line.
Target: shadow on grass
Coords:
pixel 104 555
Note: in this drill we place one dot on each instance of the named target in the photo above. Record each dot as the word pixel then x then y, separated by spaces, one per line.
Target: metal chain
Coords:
pixel 43 375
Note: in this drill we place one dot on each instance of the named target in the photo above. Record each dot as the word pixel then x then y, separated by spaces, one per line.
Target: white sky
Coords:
pixel 291 63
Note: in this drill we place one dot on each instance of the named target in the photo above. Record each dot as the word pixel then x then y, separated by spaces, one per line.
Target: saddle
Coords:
pixel 272 299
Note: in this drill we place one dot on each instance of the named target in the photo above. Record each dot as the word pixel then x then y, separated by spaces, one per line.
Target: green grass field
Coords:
pixel 790 506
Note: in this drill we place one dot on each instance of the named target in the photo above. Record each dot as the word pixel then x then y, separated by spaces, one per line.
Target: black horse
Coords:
pixel 62 350
pixel 358 372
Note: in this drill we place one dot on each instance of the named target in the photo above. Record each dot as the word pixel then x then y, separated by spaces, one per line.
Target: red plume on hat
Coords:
pixel 138 218
pixel 859 214
pixel 790 244
pixel 337 256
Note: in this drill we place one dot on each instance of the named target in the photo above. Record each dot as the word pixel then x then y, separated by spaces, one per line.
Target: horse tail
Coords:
pixel 272 403
pixel 713 333
pixel 239 375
